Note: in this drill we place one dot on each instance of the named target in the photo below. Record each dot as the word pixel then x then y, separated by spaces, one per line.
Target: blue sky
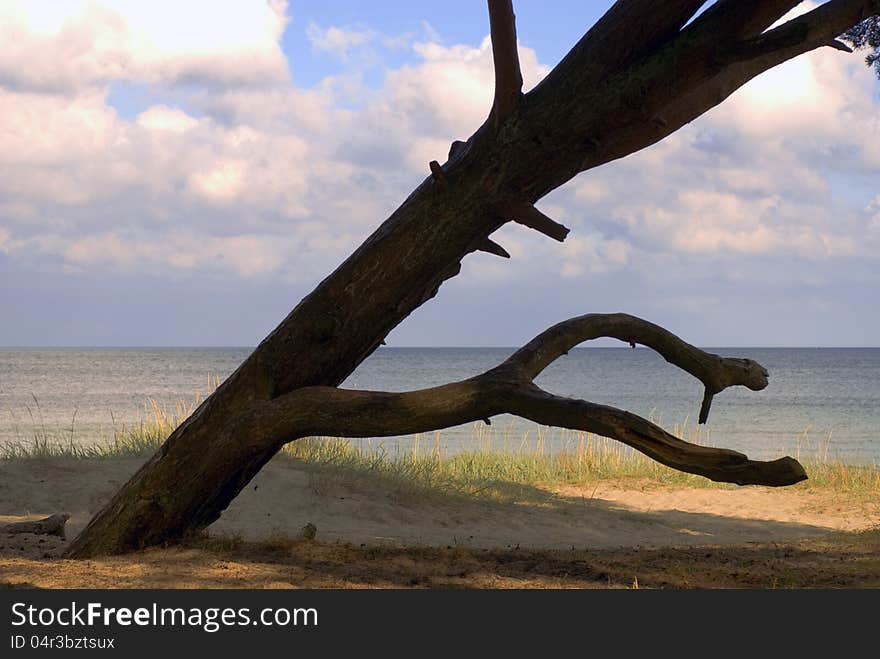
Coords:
pixel 183 173
pixel 549 30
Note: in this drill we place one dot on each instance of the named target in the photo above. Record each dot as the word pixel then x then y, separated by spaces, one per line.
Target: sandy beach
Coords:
pixel 361 516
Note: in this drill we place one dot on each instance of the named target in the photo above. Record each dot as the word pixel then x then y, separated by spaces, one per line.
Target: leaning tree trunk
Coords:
pixel 638 75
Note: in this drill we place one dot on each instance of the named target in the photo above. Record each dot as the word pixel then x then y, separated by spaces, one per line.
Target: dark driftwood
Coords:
pixel 509 388
pixel 639 74
pixel 52 525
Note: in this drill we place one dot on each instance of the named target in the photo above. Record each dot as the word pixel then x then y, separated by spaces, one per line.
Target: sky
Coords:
pixel 183 173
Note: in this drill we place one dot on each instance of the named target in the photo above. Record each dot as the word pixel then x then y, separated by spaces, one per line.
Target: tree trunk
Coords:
pixel 636 76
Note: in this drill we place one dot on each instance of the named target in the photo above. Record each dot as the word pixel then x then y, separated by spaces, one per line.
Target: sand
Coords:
pixel 595 535
pixel 286 495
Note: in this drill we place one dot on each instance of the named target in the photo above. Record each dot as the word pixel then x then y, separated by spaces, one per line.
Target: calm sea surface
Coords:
pixel 816 397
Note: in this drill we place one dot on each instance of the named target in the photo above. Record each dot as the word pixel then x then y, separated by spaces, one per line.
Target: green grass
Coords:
pixel 127 441
pixel 499 464
pixel 495 470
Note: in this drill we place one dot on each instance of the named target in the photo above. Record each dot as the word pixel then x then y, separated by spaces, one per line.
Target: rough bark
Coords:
pixel 638 75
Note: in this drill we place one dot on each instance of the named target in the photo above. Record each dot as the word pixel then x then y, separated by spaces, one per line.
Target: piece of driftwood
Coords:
pixel 51 525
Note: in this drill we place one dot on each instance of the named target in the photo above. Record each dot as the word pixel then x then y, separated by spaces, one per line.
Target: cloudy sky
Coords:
pixel 183 173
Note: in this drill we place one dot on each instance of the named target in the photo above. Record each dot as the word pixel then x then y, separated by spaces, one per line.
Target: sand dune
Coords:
pixel 287 495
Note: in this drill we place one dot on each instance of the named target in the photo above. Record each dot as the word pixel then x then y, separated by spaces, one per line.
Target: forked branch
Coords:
pixel 509 388
pixel 716 373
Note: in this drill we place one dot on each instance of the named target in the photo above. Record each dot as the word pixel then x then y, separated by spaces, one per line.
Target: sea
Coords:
pixel 820 403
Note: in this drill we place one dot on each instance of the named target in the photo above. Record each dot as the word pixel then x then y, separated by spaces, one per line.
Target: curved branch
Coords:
pixel 508 388
pixel 508 77
pixel 717 464
pixel 716 373
pixel 347 413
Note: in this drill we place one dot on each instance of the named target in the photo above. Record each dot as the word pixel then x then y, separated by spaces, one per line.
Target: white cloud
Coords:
pixel 162 117
pixel 591 255
pixel 68 46
pixel 758 176
pixel 222 181
pixel 42 130
pixel 255 180
pixel 338 41
pixel 247 255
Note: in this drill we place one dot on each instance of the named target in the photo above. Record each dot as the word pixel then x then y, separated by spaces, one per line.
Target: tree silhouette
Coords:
pixel 640 73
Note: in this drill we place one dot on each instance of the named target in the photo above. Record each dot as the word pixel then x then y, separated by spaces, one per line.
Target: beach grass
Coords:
pixel 493 462
pixel 136 440
pixel 495 471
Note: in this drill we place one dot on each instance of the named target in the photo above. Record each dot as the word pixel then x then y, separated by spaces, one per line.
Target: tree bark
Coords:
pixel 638 75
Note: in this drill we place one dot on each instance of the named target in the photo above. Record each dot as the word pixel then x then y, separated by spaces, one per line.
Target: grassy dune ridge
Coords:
pixel 496 458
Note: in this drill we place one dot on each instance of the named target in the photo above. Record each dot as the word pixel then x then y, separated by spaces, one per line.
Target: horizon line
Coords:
pixel 427 347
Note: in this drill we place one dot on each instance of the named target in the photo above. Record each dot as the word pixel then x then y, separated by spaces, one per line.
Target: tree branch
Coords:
pixel 716 373
pixel 491 247
pixel 509 388
pixel 816 28
pixel 623 36
pixel 508 77
pixel 839 45
pixel 746 18
pixel 529 216
pixel 702 64
pixel 717 464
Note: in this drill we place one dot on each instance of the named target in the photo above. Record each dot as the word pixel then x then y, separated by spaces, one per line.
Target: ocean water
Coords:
pixel 818 400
